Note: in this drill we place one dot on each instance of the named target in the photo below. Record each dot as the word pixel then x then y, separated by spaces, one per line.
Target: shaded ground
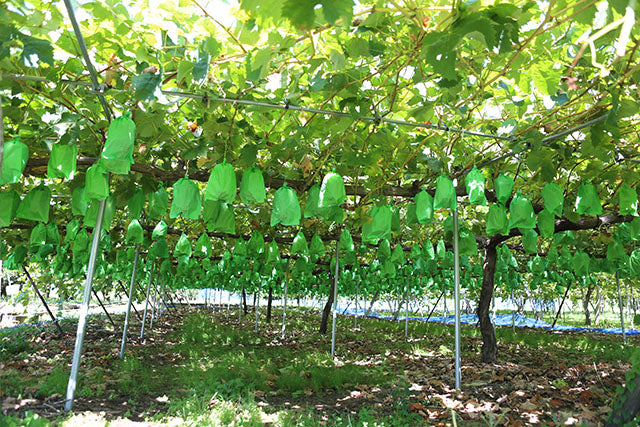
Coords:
pixel 199 367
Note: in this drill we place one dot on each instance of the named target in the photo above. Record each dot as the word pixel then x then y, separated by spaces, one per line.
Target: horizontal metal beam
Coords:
pixel 285 106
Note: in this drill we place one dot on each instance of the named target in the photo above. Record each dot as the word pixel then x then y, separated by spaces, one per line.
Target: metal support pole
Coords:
pixel 513 314
pixel 456 280
pixel 228 304
pixel 104 309
pixel 406 310
pixel 42 300
pixel 624 336
pixel 335 300
pixel 146 300
pixel 129 303
pixel 163 303
pixel 154 310
pixel 97 231
pixel 84 309
pixel 355 316
pixel 129 296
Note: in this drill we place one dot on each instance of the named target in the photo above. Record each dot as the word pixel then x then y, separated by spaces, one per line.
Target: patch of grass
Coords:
pixel 28 419
pixel 133 376
pixel 12 382
pixel 15 341
pixel 55 382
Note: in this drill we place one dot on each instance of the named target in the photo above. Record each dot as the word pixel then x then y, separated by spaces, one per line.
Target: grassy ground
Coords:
pixel 198 368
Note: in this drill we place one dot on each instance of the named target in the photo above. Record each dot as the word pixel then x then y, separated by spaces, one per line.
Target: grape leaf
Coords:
pixel 35 51
pixel 333 10
pixel 300 13
pixel 146 85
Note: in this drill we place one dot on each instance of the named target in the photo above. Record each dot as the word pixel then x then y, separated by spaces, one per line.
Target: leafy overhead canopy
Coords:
pixel 522 70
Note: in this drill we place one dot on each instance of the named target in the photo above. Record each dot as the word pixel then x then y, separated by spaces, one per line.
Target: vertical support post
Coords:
pixel 624 337
pixel 406 310
pixel 335 299
pixel 146 300
pixel 228 304
pixel 513 314
pixel 154 309
pixel 129 302
pixel 97 231
pixel 355 316
pixel 159 294
pixel 456 280
pixel 42 300
pixel 84 309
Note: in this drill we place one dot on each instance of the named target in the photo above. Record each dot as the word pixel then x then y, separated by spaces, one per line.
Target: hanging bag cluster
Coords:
pixel 332 191
pixel 79 203
pixel 497 222
pixel 252 188
pixel 203 246
pixel 223 219
pixel 14 160
pixel 186 199
pixel 380 225
pixel 135 233
pixel 117 155
pixel 183 247
pixel 423 207
pixel 222 183
pixel 35 205
pixel 96 185
pixel 474 182
pixel 9 201
pixel 286 208
pixel 62 161
pixel 299 245
pixel 445 197
pixel 503 186
pixel 521 213
pixel 317 246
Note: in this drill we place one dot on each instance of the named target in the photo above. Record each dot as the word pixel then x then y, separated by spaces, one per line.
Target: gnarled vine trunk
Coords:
pixel 585 305
pixel 627 405
pixel 373 301
pixel 326 311
pixel 489 344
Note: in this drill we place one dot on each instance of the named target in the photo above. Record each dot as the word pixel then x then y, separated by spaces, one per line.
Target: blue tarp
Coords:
pixel 501 320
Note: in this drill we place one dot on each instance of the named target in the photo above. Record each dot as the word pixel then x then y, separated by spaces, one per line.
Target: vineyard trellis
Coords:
pixel 546 104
